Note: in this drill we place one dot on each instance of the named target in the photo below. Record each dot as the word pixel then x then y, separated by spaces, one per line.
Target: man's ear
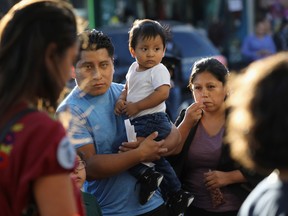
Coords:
pixel 132 51
pixel 73 73
pixel 50 56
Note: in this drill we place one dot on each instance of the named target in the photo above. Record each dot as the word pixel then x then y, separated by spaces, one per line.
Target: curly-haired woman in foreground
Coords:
pixel 258 132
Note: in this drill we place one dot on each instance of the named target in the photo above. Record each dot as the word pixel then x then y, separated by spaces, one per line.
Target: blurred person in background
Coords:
pixel 258 45
pixel 281 36
pixel 172 62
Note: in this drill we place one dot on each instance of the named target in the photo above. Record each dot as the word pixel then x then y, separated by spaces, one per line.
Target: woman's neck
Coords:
pixel 213 122
pixel 218 115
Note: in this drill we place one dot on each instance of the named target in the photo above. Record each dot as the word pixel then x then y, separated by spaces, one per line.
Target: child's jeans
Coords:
pixel 144 126
pixel 147 124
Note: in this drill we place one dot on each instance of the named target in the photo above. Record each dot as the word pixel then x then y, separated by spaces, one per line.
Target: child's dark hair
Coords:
pixel 147 28
pixel 94 40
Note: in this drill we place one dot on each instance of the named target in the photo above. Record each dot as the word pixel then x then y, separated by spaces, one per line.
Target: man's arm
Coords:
pixel 105 165
pixel 171 143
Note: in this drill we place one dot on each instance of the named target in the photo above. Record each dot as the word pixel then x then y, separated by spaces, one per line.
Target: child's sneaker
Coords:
pixel 178 202
pixel 149 183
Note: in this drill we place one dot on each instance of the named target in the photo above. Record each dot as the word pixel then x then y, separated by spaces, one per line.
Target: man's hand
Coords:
pixel 127 146
pixel 149 149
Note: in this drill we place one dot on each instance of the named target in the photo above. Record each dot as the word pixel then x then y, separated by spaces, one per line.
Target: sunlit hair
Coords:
pixel 25 32
pixel 93 40
pixel 211 65
pixel 146 29
pixel 258 123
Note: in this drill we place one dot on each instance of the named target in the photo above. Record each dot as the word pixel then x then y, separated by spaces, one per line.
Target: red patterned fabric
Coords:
pixel 35 146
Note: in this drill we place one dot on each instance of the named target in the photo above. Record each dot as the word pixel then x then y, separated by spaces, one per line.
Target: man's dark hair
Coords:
pixel 94 40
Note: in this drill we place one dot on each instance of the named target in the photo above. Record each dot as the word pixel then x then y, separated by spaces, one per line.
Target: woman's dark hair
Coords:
pixel 268 137
pixel 147 28
pixel 25 33
pixel 257 125
pixel 211 65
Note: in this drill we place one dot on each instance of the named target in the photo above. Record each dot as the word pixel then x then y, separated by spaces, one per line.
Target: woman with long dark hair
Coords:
pixel 37 48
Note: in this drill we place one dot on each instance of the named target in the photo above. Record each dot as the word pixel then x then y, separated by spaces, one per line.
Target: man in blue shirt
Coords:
pixel 97 133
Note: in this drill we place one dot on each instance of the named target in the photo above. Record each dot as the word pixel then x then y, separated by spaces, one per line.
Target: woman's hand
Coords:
pixel 193 113
pixel 215 179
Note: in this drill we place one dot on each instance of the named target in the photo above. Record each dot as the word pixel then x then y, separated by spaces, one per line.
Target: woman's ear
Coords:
pixel 50 56
pixel 227 92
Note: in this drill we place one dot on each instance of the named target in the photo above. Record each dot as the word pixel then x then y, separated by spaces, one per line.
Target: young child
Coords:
pixel 79 176
pixel 143 101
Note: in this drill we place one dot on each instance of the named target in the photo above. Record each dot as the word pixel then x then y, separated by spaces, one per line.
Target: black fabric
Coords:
pixel 160 211
pixel 192 210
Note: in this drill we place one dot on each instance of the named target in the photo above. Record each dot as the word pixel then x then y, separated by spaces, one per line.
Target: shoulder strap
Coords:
pixel 13 120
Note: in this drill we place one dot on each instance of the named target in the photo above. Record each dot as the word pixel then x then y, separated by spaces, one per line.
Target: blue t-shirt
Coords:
pixel 93 121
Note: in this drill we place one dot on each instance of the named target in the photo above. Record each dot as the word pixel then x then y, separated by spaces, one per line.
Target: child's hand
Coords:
pixel 119 106
pixel 131 109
